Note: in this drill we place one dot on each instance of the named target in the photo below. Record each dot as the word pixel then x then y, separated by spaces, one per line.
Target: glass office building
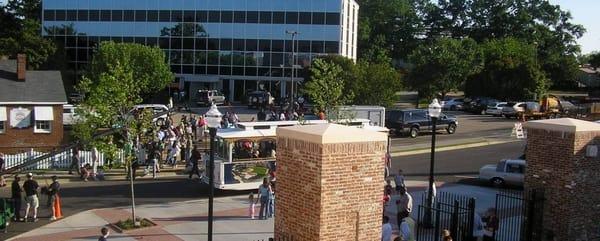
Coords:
pixel 231 45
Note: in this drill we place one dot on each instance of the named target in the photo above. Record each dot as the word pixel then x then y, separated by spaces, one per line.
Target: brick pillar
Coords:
pixel 21 66
pixel 329 183
pixel 557 163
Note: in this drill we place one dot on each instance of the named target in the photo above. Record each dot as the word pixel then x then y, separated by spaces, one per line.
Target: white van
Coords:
pixel 69 116
pixel 156 108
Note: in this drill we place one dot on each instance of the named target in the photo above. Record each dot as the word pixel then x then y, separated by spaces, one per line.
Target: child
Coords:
pixel 251 209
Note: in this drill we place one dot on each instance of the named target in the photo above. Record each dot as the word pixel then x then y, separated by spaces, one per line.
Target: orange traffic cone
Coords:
pixel 57 210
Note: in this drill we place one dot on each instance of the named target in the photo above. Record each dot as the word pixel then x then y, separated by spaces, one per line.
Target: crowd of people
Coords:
pixel 32 198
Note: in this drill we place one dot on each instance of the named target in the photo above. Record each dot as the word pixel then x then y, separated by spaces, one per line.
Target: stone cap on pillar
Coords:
pixel 564 125
pixel 331 133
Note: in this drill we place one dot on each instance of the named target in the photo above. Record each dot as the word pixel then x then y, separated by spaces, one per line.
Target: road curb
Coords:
pixel 450 147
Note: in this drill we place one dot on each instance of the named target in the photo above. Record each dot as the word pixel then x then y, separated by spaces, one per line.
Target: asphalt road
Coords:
pixel 456 165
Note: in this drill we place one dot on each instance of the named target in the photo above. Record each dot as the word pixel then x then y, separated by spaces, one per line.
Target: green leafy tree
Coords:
pixel 510 71
pixel 375 84
pixel 325 88
pixel 147 64
pixel 118 78
pixel 594 60
pixel 20 30
pixel 443 66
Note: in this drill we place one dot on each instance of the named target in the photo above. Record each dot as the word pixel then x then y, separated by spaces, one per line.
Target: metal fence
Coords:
pixel 448 211
pixel 57 161
pixel 520 215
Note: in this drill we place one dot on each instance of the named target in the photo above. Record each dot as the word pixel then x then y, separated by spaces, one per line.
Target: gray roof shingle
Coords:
pixel 39 86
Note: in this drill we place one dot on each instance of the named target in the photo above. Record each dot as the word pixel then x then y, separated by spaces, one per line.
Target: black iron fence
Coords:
pixel 448 211
pixel 520 215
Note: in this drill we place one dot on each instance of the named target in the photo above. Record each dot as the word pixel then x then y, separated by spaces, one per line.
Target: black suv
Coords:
pixel 417 120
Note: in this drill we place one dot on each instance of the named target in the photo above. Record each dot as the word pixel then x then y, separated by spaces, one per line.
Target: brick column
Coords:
pixel 558 164
pixel 329 183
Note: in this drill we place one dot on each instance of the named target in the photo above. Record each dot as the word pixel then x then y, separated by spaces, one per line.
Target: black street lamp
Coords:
pixel 435 110
pixel 213 119
pixel 293 63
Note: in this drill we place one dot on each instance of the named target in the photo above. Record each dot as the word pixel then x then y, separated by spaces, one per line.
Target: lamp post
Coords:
pixel 213 119
pixel 293 33
pixel 434 109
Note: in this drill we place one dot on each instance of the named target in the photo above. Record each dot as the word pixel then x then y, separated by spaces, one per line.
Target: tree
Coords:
pixel 594 60
pixel 146 64
pixel 443 66
pixel 325 88
pixel 20 29
pixel 119 77
pixel 510 71
pixel 374 84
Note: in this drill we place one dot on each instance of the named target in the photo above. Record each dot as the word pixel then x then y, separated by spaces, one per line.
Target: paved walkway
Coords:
pixel 187 220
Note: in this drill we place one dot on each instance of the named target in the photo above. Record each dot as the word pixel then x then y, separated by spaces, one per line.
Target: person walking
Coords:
pixel 31 190
pixel 196 156
pixel 155 159
pixel 75 162
pixel 404 205
pixel 491 225
pixel 104 234
pixel 271 211
pixel 407 229
pixel 386 232
pixel 194 124
pixel 173 152
pixel 95 160
pixel 54 199
pixel 2 168
pixel 446 235
pixel 252 206
pixel 264 191
pixel 17 197
pixel 399 180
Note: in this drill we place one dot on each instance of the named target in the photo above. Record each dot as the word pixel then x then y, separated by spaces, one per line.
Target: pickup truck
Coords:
pixel 507 171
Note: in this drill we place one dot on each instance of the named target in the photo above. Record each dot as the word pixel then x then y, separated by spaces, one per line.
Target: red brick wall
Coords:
pixel 324 192
pixel 557 164
pixel 18 140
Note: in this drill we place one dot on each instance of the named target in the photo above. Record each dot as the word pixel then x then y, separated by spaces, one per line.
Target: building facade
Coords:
pixel 31 107
pixel 231 45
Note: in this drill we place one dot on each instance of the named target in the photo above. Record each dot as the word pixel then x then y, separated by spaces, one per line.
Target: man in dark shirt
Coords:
pixel 196 156
pixel 53 198
pixel 31 197
pixel 17 197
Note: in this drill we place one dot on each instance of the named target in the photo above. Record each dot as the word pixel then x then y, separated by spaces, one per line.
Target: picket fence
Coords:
pixel 58 161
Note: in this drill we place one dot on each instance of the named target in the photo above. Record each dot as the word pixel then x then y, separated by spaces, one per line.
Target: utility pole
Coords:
pixel 293 64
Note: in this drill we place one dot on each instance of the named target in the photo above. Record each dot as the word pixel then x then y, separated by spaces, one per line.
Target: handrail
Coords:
pixel 35 160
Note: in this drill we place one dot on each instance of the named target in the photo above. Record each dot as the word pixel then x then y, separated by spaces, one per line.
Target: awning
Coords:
pixel 3 115
pixel 43 113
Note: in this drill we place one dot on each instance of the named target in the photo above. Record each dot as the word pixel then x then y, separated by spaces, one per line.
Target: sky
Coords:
pixel 584 12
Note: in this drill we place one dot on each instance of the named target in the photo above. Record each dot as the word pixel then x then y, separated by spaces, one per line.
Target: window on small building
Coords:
pixel 2 127
pixel 42 127
pixel 3 118
pixel 43 119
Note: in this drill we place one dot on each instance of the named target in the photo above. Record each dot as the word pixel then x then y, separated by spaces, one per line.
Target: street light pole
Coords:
pixel 435 109
pixel 213 119
pixel 211 178
pixel 293 33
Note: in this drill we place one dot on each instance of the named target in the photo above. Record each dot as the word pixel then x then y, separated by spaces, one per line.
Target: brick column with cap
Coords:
pixel 561 161
pixel 21 66
pixel 329 183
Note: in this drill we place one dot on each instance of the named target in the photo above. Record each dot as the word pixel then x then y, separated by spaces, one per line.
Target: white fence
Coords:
pixel 59 160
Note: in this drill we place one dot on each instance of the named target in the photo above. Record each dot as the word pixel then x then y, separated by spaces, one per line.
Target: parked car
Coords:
pixel 512 108
pixel 507 171
pixel 207 97
pixel 260 99
pixel 156 108
pixel 453 104
pixel 414 121
pixel 479 105
pixel 495 109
